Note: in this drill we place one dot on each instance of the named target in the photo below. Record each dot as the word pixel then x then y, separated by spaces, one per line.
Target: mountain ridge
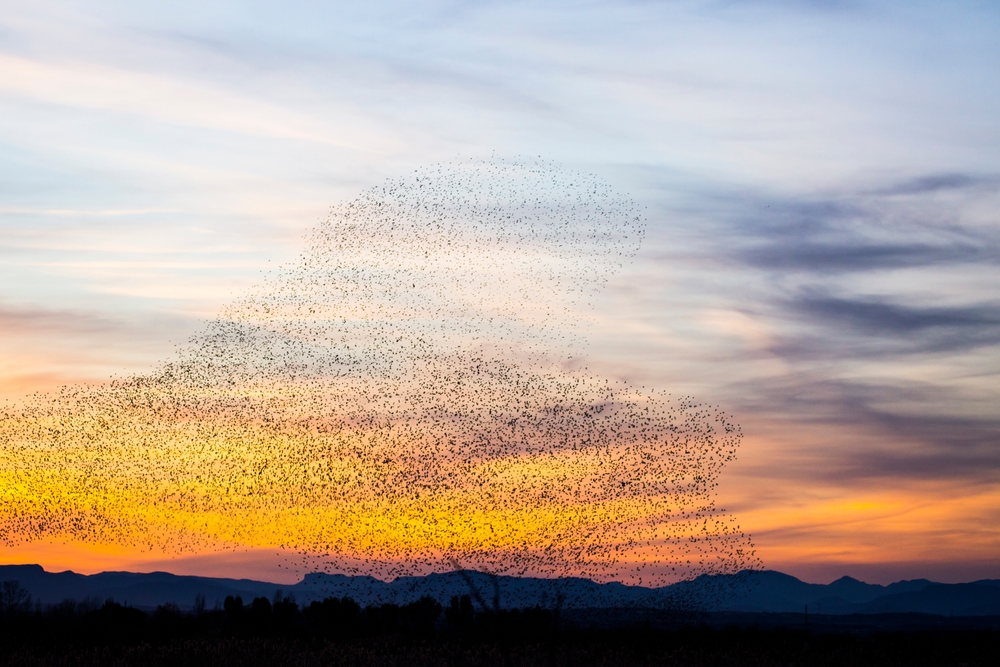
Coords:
pixel 747 591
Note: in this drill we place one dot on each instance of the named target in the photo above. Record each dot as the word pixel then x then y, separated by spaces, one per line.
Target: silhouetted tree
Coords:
pixel 167 609
pixel 120 621
pixel 14 598
pixel 66 609
pixel 261 607
pixel 421 615
pixel 168 620
pixel 284 610
pixel 234 608
pixel 382 619
pixel 334 617
pixel 460 615
pixel 260 616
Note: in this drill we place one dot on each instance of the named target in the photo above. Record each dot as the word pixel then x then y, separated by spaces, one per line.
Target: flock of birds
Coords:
pixel 401 400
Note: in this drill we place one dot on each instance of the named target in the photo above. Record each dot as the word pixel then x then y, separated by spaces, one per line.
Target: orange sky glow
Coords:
pixel 268 305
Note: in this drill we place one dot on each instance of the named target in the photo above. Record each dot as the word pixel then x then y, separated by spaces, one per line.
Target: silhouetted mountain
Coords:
pixel 951 599
pixel 138 590
pixel 509 591
pixel 763 591
pixel 772 591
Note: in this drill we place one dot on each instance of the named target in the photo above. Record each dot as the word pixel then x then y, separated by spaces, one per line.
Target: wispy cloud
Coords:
pixel 34 320
pixel 856 332
pixel 939 182
pixel 918 328
pixel 858 255
pixel 83 213
pixel 820 176
pixel 170 100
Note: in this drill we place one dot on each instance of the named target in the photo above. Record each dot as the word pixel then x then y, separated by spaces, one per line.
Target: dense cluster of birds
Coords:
pixel 405 398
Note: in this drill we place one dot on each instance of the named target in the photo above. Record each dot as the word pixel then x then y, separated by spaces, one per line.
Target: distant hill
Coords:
pixel 764 591
pixel 777 592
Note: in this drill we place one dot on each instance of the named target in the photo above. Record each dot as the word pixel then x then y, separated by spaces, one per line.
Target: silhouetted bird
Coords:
pixel 396 402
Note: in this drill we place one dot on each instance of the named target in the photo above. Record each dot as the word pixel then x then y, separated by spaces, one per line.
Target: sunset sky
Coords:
pixel 820 183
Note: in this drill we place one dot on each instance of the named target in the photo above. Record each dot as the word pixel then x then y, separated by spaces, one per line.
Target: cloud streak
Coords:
pixel 857 255
pixel 820 181
pixel 912 328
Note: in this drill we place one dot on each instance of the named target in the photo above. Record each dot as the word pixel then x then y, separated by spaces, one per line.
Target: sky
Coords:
pixel 819 181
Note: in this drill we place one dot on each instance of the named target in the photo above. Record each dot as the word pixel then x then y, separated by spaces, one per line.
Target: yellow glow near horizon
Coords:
pixel 148 471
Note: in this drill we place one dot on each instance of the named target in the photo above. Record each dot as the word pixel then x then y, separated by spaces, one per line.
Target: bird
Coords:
pixel 399 401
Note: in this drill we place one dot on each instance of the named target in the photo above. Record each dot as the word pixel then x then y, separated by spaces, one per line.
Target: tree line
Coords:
pixel 330 618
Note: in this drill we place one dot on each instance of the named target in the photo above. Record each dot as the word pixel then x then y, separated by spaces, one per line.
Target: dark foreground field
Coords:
pixel 606 648
pixel 334 631
pixel 129 637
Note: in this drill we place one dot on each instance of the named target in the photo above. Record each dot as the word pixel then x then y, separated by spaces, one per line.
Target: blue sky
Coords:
pixel 821 182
